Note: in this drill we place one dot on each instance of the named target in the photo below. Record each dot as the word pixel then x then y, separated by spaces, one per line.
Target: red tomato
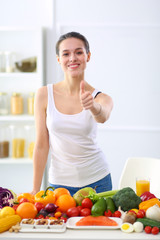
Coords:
pixel 108 213
pixel 85 212
pixel 140 214
pixel 155 230
pixel 117 214
pixel 39 206
pixel 64 219
pixel 143 211
pixel 72 212
pixel 79 208
pixel 148 229
pixel 22 200
pixel 15 206
pixel 87 203
pixel 39 216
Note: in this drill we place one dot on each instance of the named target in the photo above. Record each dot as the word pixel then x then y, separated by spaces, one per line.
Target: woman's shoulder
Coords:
pixel 41 96
pixel 42 91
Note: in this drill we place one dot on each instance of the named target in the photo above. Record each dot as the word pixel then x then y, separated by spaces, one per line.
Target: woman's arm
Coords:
pixel 41 148
pixel 100 107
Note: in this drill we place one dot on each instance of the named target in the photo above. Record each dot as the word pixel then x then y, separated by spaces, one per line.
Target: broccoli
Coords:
pixel 127 199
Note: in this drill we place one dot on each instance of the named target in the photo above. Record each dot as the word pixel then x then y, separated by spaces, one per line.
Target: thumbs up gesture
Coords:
pixel 86 98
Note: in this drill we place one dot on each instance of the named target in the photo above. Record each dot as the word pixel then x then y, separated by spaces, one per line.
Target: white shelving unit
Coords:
pixel 16 174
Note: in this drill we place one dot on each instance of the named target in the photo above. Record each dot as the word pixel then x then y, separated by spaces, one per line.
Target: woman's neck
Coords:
pixel 72 84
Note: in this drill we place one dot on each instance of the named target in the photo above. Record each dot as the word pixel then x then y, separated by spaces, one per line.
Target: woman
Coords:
pixel 66 117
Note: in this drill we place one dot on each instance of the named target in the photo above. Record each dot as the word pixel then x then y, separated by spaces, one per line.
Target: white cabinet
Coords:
pixel 16 173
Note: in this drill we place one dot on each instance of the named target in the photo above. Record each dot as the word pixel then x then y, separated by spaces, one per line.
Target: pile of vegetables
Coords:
pixel 137 213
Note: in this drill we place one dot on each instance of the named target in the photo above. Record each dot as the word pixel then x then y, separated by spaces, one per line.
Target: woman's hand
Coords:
pixel 100 108
pixel 86 98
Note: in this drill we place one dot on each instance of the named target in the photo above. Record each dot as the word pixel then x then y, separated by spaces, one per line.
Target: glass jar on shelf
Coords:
pixel 18 141
pixel 30 140
pixel 4 141
pixel 1 62
pixel 9 59
pixel 16 103
pixel 31 103
pixel 4 104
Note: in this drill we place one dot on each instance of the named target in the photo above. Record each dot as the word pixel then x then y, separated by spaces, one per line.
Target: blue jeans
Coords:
pixel 105 184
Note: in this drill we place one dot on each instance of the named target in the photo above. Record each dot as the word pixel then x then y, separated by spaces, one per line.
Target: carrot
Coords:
pixel 96 221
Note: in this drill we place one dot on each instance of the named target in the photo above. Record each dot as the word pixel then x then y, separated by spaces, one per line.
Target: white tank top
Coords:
pixel 76 159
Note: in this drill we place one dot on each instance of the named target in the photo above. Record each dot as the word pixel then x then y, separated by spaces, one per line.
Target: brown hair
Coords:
pixel 72 35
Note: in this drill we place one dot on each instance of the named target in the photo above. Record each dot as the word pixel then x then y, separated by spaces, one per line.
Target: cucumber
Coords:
pixel 149 222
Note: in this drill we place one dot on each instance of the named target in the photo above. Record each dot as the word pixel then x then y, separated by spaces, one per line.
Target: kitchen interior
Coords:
pixel 124 38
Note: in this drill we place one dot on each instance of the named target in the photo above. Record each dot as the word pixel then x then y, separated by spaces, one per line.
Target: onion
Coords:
pixel 153 212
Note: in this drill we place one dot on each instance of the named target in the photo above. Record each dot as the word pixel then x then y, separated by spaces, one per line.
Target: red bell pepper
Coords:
pixel 146 196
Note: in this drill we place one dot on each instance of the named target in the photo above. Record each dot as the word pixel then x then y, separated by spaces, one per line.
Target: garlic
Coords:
pixel 122 212
pixel 153 212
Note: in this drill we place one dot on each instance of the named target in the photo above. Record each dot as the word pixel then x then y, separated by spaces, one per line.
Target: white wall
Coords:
pixel 124 36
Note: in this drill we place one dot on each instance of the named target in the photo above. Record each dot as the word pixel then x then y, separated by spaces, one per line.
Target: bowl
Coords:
pixel 27 65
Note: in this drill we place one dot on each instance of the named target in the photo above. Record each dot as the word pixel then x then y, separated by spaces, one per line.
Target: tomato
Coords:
pixel 15 206
pixel 108 213
pixel 79 208
pixel 140 214
pixel 85 212
pixel 72 212
pixel 39 206
pixel 155 230
pixel 87 203
pixel 117 214
pixel 143 211
pixel 22 200
pixel 40 216
pixel 64 219
pixel 148 229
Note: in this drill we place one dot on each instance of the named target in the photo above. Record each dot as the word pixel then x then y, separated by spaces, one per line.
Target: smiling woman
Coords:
pixel 66 115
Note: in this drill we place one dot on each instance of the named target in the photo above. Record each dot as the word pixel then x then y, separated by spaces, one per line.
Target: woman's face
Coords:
pixel 73 56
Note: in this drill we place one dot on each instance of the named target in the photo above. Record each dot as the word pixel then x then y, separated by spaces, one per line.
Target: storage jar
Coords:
pixel 4 103
pixel 16 103
pixel 31 103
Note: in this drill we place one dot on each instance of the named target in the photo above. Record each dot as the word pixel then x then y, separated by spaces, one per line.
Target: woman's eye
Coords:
pixel 79 53
pixel 65 54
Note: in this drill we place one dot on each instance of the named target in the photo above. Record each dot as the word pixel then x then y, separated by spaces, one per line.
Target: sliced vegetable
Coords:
pixel 147 195
pixel 6 197
pixel 153 212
